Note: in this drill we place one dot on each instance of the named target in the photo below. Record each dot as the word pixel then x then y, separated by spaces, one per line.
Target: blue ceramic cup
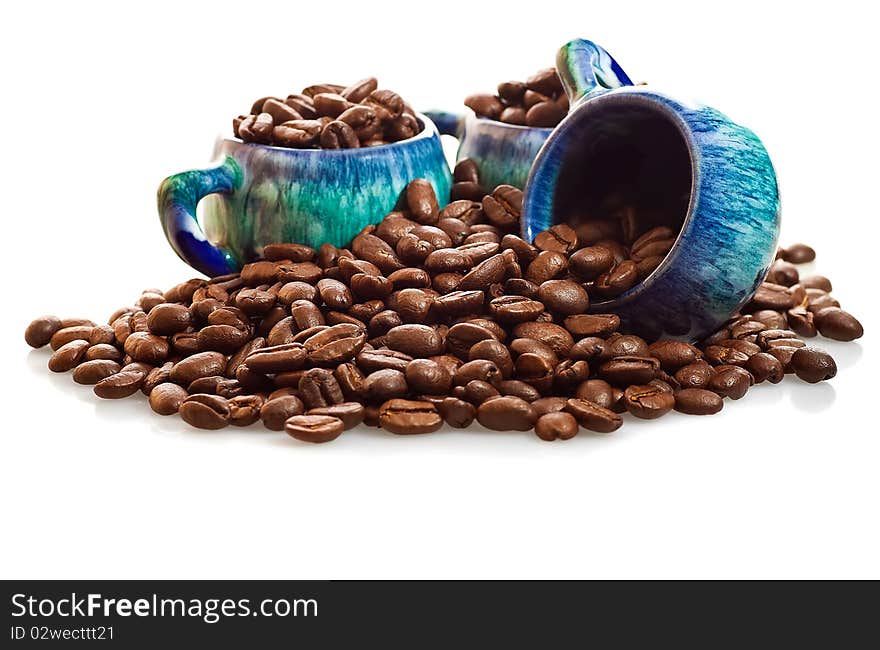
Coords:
pixel 258 194
pixel 503 152
pixel 711 177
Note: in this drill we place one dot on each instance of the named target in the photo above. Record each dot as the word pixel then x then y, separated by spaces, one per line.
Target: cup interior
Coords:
pixel 628 166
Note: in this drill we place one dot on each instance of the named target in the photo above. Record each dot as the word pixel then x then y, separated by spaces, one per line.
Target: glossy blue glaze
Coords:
pixel 503 152
pixel 728 238
pixel 259 194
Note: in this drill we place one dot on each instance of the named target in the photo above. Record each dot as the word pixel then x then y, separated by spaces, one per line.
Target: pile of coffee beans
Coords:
pixel 538 101
pixel 330 116
pixel 437 316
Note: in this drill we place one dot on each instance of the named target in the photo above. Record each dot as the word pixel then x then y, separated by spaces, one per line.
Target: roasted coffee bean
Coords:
pixel 202 364
pixel 485 105
pixel 383 385
pixel 244 410
pixel 494 351
pixel 506 414
pixel 648 401
pixel 834 323
pixel 730 381
pixel 221 338
pixel 318 387
pixel 592 416
pixel 168 318
pixel 339 135
pixel 403 416
pixel 547 265
pixel 422 202
pixel 350 413
pixel 256 128
pixel 489 271
pixel 416 340
pixel 122 384
pixel 223 386
pixel 558 425
pixel 694 375
pixel 802 322
pixel 545 114
pixel 205 411
pixel 625 371
pixel 765 367
pixel 773 296
pixel 156 376
pixel 564 297
pixel 798 254
pixel 274 413
pixel 314 428
pixel 145 347
pixel 68 356
pixel 719 355
pixel 428 377
pixel 515 309
pixel 504 206
pixel 810 364
pixel 103 351
pixel 620 278
pixel 672 355
pixel 559 238
pixel 477 392
pixel 65 335
pixel 41 330
pixel 592 325
pixel 165 399
pixel 479 369
pixel 387 104
pixel 556 337
pixel 91 372
pixel 698 401
pixel 456 412
pixel 335 344
pixel 545 405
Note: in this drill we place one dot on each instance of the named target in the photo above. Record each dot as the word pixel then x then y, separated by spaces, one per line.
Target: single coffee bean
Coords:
pixel 798 254
pixel 416 340
pixel 339 135
pixel 383 385
pixel 275 413
pixel 485 105
pixel 456 412
pixel 620 278
pixel 166 398
pixel 834 323
pixel 428 377
pixel 335 344
pixel 91 372
pixel 504 206
pixel 65 335
pixel 672 355
pixel 202 364
pixel 730 381
pixel 318 387
pixel 314 428
pixel 506 414
pixel 205 411
pixel 557 425
pixel 403 416
pixel 592 416
pixel 810 364
pixel 698 401
pixel 545 114
pixel 564 297
pixel 627 370
pixel 559 340
pixel 648 401
pixel 547 265
pixel 244 410
pixel 422 202
pixel 145 347
pixel 41 330
pixel 168 318
pixel 545 405
pixel 68 356
pixel 350 413
pixel 122 384
pixel 103 351
pixel 765 367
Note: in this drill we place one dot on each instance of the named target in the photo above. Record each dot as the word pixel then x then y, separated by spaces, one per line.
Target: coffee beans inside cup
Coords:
pixel 440 316
pixel 538 101
pixel 330 116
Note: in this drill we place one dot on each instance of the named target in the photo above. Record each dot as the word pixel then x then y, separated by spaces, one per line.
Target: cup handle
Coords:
pixel 447 122
pixel 586 68
pixel 178 196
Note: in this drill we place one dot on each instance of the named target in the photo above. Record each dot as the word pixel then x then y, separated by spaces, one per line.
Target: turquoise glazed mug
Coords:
pixel 259 194
pixel 503 152
pixel 711 179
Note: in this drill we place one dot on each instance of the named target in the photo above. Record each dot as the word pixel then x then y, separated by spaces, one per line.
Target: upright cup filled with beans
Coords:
pixel 437 318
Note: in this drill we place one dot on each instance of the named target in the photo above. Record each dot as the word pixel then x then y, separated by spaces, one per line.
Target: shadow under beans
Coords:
pixel 812 398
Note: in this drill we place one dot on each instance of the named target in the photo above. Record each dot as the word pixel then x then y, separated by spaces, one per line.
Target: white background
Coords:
pixel 100 102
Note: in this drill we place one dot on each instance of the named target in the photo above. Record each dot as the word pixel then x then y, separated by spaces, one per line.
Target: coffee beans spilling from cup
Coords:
pixel 439 315
pixel 538 101
pixel 330 116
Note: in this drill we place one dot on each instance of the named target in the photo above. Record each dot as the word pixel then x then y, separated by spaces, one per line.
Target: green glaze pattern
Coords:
pixel 260 194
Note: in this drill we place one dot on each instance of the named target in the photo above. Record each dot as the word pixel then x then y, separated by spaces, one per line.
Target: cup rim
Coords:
pixel 429 129
pixel 471 116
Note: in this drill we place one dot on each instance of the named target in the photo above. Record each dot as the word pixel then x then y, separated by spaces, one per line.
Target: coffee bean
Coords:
pixel 485 105
pixel 422 202
pixel 103 351
pixel 798 254
pixel 834 323
pixel 557 425
pixel 91 372
pixel 592 416
pixel 627 370
pixel 415 340
pixel 553 335
pixel 456 412
pixel 545 114
pixel 318 387
pixel 314 428
pixel 383 385
pixel 166 398
pixel 387 104
pixel 428 377
pixel 68 356
pixel 506 414
pixel 274 413
pixel 65 335
pixel 698 401
pixel 648 401
pixel 810 364
pixel 335 344
pixel 145 347
pixel 504 206
pixel 256 128
pixel 403 416
pixel 339 135
pixel 119 385
pixel 730 381
pixel 350 413
pixel 564 297
pixel 202 364
pixel 41 330
pixel 620 278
